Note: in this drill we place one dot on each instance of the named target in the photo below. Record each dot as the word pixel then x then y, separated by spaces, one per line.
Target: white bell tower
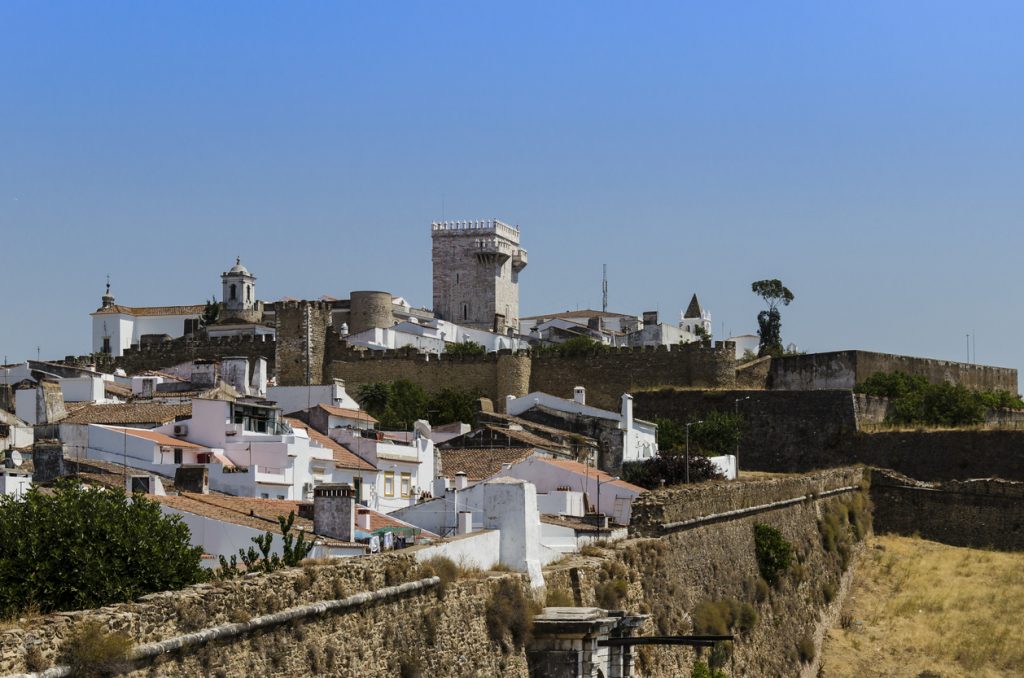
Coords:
pixel 239 289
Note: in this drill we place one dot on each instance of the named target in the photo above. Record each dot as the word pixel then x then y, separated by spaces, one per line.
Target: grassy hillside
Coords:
pixel 922 609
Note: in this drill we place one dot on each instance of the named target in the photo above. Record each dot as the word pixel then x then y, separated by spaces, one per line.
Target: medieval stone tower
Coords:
pixel 476 273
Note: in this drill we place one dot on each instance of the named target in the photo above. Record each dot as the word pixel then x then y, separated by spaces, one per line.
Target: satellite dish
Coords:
pixel 17 459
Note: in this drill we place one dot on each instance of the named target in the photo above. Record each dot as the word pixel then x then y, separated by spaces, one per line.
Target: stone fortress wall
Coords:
pixel 380 630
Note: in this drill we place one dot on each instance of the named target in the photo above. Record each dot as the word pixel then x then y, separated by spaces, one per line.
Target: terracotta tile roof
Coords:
pixel 128 413
pixel 113 388
pixel 380 520
pixel 358 415
pixel 528 438
pixel 259 514
pixel 343 457
pixel 592 472
pixel 159 438
pixel 480 463
pixel 543 428
pixel 151 310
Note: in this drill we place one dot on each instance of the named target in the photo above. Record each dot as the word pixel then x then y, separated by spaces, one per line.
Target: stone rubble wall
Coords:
pixel 980 513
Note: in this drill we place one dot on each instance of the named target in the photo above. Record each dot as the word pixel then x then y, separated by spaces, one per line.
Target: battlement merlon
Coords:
pixel 442 228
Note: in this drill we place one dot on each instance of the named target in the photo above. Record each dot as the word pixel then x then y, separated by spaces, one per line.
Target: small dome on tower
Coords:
pixel 238 268
pixel 108 298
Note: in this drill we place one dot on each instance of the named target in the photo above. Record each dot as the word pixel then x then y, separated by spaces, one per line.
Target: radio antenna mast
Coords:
pixel 604 289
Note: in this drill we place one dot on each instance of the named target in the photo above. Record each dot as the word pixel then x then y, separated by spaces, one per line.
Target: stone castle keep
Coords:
pixel 476 273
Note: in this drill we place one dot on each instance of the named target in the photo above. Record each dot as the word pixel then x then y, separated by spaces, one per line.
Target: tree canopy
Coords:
pixel 769 321
pixel 78 548
pixel 398 404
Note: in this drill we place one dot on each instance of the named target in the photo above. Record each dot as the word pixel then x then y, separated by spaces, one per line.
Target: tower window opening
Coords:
pixel 233 293
pixel 465 311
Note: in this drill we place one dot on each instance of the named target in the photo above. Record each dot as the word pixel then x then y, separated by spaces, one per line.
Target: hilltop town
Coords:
pixel 375 488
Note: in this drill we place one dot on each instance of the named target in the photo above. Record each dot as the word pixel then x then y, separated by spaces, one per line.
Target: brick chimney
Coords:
pixel 334 511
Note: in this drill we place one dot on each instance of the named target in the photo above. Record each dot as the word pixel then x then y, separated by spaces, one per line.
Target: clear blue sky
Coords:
pixel 869 154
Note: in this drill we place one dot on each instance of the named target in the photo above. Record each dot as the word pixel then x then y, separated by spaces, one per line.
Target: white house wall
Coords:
pixel 477 549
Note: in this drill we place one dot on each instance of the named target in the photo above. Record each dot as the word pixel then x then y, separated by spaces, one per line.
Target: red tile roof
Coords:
pixel 128 413
pixel 480 463
pixel 348 413
pixel 592 472
pixel 343 457
pixel 150 310
pixel 159 438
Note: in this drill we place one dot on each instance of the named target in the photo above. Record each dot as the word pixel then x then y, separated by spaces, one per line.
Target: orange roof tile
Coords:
pixel 150 310
pixel 348 413
pixel 585 470
pixel 480 463
pixel 127 413
pixel 160 438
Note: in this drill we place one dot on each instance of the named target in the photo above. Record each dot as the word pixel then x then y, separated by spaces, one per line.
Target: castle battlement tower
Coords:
pixel 476 273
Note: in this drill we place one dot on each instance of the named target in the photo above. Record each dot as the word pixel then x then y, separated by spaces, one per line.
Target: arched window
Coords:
pixel 233 294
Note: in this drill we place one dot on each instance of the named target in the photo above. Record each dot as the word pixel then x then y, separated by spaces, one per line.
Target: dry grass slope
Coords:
pixel 918 608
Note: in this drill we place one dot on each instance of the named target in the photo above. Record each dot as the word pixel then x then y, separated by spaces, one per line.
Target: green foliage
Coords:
pixel 769 321
pixel 293 551
pixel 91 650
pixel 442 567
pixel 915 401
pixel 719 433
pixel 464 348
pixel 509 615
pixel 701 333
pixel 774 553
pixel 671 435
pixel 80 548
pixel 669 469
pixel 702 670
pixel 211 313
pixel 398 404
pixel 577 346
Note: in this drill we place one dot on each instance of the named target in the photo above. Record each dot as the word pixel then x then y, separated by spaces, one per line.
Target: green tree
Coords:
pixel 453 404
pixel 769 321
pixel 211 313
pixel 577 346
pixel 669 469
pixel 374 397
pixel 671 435
pixel 78 547
pixel 407 402
pixel 464 348
pixel 718 433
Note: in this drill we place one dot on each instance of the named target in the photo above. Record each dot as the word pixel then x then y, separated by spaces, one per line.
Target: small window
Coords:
pixel 389 483
pixel 357 485
pixel 456 278
pixel 106 345
pixel 465 311
pixel 406 484
pixel 264 495
pixel 177 455
pixel 233 293
pixel 248 293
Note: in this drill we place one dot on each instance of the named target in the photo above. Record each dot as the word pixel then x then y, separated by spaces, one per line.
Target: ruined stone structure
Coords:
pixel 476 273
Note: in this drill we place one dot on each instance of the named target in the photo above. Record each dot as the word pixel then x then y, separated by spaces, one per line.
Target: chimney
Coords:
pixel 627 412
pixel 204 373
pixel 440 486
pixel 465 522
pixel 595 324
pixel 234 370
pixel 334 511
pixel 461 481
pixel 364 520
pixel 258 384
pixel 650 318
pixel 579 395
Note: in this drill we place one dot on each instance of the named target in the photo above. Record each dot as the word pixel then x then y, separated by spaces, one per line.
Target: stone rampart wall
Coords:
pixel 444 638
pixel 671 575
pixel 983 513
pixel 846 369
pixel 169 353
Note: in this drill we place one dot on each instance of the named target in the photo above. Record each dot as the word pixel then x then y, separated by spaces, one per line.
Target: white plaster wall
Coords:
pixel 14 484
pixel 560 503
pixel 510 506
pixel 25 405
pixel 477 549
pixel 173 325
pixel 75 438
pixel 83 389
pixel 726 465
pixel 294 398
pixel 548 477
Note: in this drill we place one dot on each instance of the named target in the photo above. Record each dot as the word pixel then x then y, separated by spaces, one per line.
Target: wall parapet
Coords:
pixel 678 507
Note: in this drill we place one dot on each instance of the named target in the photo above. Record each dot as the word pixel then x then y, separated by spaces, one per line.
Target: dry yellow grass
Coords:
pixel 919 608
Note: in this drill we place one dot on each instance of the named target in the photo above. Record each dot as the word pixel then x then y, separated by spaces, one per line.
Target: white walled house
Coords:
pixel 116 327
pixel 637 439
pixel 405 469
pixel 616 496
pixel 294 398
pixel 15 434
pixel 14 482
pixel 431 335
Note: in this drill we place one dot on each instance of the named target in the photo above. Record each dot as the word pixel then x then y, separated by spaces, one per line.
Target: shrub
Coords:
pixel 719 433
pixel 559 598
pixel 720 617
pixel 915 401
pixel 610 594
pixel 828 592
pixel 442 567
pixel 80 548
pixel 747 618
pixel 293 550
pixel 702 670
pixel 509 615
pixel 577 346
pixel 669 469
pixel 805 649
pixel 398 404
pixel 92 651
pixel 464 348
pixel 773 552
